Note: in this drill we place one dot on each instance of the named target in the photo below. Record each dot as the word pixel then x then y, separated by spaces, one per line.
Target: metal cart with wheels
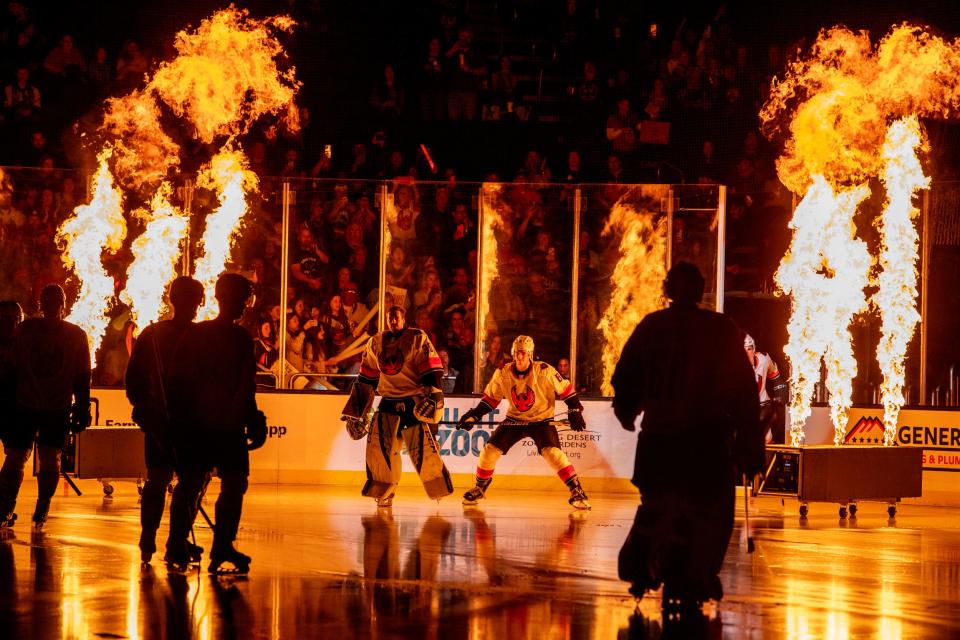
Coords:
pixel 109 454
pixel 843 475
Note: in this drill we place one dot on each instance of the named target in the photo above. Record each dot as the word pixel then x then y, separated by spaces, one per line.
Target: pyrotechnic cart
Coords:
pixel 845 475
pixel 111 453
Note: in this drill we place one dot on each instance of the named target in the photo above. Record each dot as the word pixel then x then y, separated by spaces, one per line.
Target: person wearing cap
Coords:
pixel 52 368
pixel 682 372
pixel 532 389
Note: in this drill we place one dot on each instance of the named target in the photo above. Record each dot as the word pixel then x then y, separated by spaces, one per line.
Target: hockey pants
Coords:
pixel 384 446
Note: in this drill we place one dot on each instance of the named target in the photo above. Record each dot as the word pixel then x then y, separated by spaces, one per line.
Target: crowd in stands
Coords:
pixel 601 96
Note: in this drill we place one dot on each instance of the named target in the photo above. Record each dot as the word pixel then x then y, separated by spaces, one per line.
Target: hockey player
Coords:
pixel 532 389
pixel 215 422
pixel 52 369
pixel 147 381
pixel 769 386
pixel 401 365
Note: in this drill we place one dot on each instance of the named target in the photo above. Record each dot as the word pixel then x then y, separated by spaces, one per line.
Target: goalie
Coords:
pixel 401 365
pixel 532 389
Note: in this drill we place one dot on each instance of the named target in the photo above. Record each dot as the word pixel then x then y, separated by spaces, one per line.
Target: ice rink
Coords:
pixel 328 564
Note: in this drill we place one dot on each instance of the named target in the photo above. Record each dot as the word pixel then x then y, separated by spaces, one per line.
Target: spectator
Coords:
pixel 399 268
pixel 22 98
pixel 295 339
pixel 493 358
pixel 467 70
pixel 406 204
pixel 336 324
pixel 131 66
pixel 503 87
pixel 387 97
pixel 622 128
pixel 308 264
pixel 100 71
pixel 433 98
pixel 64 59
pixel 449 375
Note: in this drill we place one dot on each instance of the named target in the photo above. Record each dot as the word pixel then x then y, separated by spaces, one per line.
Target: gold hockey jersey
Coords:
pixel 395 364
pixel 531 396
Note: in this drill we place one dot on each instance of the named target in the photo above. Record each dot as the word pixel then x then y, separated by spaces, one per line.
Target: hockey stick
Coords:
pixel 70 482
pixel 746 515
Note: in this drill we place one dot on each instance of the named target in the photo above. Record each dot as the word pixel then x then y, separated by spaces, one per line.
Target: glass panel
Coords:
pixel 525 272
pixel 624 254
pixel 332 280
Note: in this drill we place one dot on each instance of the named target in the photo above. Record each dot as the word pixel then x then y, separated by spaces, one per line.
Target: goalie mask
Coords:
pixel 748 342
pixel 522 343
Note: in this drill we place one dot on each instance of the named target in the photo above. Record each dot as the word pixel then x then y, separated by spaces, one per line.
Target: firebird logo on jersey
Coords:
pixel 523 400
pixel 391 361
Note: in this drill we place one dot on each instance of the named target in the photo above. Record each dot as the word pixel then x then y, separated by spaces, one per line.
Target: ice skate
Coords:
pixel 385 502
pixel 178 559
pixel 578 498
pixel 7 516
pixel 193 552
pixel 41 512
pixel 473 496
pixel 229 555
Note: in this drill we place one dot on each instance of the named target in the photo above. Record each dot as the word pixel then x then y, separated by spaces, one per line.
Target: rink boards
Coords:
pixel 307 443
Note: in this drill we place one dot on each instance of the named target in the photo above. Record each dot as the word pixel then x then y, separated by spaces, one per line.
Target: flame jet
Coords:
pixel 897 295
pixel 155 254
pixel 838 109
pixel 637 278
pixel 825 271
pixel 229 176
pixel 94 227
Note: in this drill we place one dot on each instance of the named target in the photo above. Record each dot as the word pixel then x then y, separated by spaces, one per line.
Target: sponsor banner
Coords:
pixel 305 434
pixel 938 432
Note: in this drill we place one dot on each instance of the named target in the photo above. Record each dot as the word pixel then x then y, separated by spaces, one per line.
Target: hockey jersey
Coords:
pixel 764 368
pixel 532 395
pixel 395 364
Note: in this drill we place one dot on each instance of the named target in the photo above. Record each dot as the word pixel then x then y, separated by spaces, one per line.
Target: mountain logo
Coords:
pixel 868 430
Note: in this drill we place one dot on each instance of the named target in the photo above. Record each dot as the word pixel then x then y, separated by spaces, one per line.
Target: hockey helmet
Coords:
pixel 748 342
pixel 522 343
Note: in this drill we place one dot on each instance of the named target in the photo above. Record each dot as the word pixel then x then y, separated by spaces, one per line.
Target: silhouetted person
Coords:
pixel 11 315
pixel 683 369
pixel 215 421
pixel 147 381
pixel 52 369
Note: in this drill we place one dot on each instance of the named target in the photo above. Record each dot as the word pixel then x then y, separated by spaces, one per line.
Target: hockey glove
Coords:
pixel 429 408
pixel 356 427
pixel 469 419
pixel 80 418
pixel 256 431
pixel 577 423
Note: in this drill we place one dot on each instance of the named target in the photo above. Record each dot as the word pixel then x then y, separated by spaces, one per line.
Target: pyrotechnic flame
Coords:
pixel 825 271
pixel 226 74
pixel 897 296
pixel 94 227
pixel 144 153
pixel 491 223
pixel 155 254
pixel 837 105
pixel 637 278
pixel 229 176
pixel 837 102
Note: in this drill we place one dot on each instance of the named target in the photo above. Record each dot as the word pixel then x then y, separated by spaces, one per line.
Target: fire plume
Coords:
pixel 143 152
pixel 96 226
pixel 637 278
pixel 897 294
pixel 155 254
pixel 849 113
pixel 825 271
pixel 229 176
pixel 491 224
pixel 226 75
